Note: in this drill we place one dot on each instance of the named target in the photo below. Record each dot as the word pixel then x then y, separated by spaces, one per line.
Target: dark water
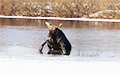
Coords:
pixel 89 39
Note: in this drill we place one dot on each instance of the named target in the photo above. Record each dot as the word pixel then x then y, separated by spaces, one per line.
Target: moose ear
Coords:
pixel 47 23
pixel 60 24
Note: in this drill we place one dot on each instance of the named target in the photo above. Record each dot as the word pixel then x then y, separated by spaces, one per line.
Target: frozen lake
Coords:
pixel 95 49
pixel 88 39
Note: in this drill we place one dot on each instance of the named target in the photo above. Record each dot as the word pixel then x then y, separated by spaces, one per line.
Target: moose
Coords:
pixel 56 41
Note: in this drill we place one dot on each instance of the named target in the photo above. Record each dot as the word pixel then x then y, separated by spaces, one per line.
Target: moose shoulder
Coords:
pixel 56 41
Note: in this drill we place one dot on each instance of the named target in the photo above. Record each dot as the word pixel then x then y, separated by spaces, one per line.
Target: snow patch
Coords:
pixel 23 61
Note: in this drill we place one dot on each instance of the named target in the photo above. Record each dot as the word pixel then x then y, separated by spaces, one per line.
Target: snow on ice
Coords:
pixel 23 61
pixel 58 18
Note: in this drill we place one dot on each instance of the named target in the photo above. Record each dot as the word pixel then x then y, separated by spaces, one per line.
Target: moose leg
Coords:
pixel 40 50
pixel 63 49
pixel 50 52
pixel 50 47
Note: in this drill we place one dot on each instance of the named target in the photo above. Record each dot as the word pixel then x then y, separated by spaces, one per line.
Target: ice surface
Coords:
pixel 22 61
pixel 17 60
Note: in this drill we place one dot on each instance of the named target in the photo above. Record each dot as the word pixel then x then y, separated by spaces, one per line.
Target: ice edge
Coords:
pixel 58 18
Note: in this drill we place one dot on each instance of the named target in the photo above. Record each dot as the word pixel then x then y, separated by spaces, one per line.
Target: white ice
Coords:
pixel 23 61
pixel 58 18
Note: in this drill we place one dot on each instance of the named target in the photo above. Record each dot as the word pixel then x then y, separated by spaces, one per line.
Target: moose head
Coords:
pixel 52 29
